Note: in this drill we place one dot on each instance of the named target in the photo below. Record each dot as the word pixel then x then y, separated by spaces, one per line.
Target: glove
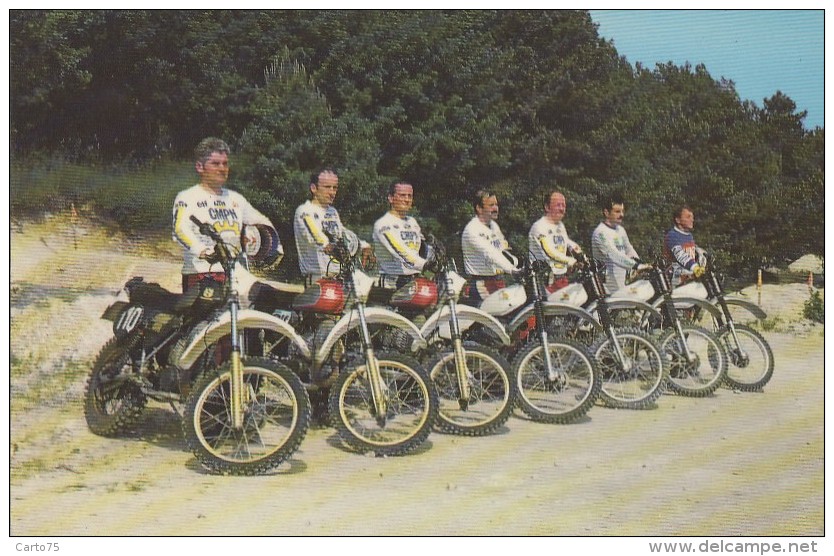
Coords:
pixel 698 271
pixel 640 267
pixel 571 262
pixel 431 266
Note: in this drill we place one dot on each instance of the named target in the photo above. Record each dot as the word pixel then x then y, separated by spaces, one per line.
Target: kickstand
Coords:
pixel 174 407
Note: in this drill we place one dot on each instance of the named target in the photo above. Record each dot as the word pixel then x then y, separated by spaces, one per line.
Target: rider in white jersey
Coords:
pixel 548 240
pixel 314 220
pixel 486 258
pixel 610 245
pixel 398 238
pixel 225 210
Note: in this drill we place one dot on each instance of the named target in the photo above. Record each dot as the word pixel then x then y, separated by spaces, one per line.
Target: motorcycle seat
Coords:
pixel 155 296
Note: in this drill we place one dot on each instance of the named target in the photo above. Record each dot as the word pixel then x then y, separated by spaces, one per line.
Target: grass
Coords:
pixel 137 199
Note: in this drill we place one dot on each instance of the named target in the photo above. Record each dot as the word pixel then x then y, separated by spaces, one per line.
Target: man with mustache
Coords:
pixel 610 245
pixel 486 257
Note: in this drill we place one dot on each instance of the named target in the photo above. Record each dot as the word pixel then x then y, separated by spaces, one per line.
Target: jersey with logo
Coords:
pixel 611 246
pixel 227 212
pixel 483 249
pixel 311 225
pixel 550 242
pixel 680 251
pixel 397 245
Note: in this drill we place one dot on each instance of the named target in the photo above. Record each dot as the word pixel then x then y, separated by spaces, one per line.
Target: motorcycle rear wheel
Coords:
pixel 412 406
pixel 113 404
pixel 276 418
pixel 492 391
pixel 549 401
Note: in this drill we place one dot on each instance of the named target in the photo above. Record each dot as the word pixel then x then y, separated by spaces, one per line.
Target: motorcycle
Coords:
pixel 749 354
pixel 242 417
pixel 696 360
pixel 379 401
pixel 631 361
pixel 475 383
pixel 557 379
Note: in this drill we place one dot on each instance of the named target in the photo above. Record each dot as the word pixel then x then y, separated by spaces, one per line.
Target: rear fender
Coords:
pixel 373 315
pixel 207 333
pixel 467 315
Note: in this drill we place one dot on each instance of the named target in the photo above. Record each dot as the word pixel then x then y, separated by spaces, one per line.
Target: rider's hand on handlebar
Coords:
pixel 698 271
pixel 641 267
pixel 571 262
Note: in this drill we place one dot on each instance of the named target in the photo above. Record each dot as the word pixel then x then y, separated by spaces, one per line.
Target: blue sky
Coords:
pixel 761 51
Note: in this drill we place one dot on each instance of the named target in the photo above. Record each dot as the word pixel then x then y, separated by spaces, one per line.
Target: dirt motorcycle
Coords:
pixel 243 417
pixel 696 361
pixel 379 401
pixel 630 360
pixel 475 383
pixel 558 381
pixel 749 354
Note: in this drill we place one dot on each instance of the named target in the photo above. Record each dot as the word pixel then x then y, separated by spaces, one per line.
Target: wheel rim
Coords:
pixel 552 397
pixel 488 384
pixel 757 363
pixel 407 401
pixel 641 378
pixel 270 417
pixel 707 366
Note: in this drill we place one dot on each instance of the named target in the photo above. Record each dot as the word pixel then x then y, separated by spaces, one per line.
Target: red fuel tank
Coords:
pixel 420 293
pixel 325 296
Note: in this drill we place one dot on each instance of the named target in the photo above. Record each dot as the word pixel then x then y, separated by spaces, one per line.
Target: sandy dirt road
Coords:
pixel 731 464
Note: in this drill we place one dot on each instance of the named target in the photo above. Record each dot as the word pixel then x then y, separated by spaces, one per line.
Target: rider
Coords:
pixel 314 220
pixel 611 246
pixel 486 257
pixel 398 240
pixel 548 240
pixel 225 210
pixel 679 247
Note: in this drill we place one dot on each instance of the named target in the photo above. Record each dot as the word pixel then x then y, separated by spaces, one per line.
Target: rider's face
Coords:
pixel 556 208
pixel 686 221
pixel 488 210
pixel 325 192
pixel 615 214
pixel 214 171
pixel 401 199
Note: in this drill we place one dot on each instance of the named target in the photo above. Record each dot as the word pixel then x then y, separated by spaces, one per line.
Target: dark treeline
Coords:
pixel 514 101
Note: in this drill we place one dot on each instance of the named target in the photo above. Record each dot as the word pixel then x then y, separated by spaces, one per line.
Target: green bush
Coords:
pixel 815 308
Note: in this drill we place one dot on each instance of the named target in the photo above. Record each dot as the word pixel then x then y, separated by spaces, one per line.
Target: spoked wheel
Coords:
pixel 750 362
pixel 634 383
pixel 276 416
pixel 569 395
pixel 112 402
pixel 411 407
pixel 491 391
pixel 701 373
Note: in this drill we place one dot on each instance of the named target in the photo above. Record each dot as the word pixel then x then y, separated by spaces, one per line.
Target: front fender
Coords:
pixel 373 315
pixel 553 309
pixel 208 332
pixel 466 313
pixel 754 309
pixel 633 304
pixel 687 302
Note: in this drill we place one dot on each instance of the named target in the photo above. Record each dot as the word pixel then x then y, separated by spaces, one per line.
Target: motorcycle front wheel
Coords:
pixel 113 403
pixel 491 391
pixel 566 398
pixel 276 416
pixel 411 406
pixel 700 374
pixel 636 382
pixel 750 362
